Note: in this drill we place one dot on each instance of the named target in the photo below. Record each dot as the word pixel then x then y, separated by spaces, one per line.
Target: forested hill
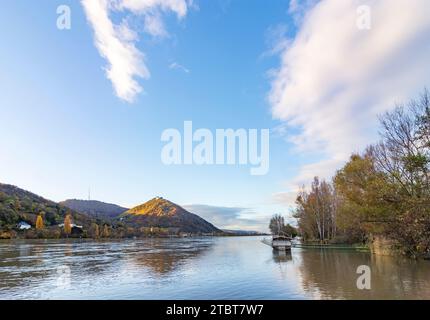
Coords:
pixel 19 205
pixel 96 209
pixel 163 213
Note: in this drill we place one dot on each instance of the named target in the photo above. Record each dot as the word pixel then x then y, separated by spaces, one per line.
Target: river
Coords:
pixel 199 268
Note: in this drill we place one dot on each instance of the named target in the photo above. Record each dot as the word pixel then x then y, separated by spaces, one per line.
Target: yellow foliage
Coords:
pixel 39 222
pixel 106 232
pixel 68 224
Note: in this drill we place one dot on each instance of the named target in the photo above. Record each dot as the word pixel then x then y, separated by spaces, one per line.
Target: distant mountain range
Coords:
pixel 96 209
pixel 18 205
pixel 160 212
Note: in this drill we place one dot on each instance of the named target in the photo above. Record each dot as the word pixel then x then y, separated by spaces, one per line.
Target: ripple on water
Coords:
pixel 198 268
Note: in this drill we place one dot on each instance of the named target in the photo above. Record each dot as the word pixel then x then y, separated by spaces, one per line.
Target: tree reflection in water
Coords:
pixel 332 274
pixel 166 256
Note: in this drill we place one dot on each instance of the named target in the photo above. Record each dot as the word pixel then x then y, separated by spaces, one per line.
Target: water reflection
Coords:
pixel 281 256
pixel 18 264
pixel 36 264
pixel 332 274
pixel 206 268
pixel 166 256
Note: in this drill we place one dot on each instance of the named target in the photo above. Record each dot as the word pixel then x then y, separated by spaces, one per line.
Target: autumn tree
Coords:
pixel 316 211
pixel 68 224
pixel 360 187
pixel 106 231
pixel 95 231
pixel 39 222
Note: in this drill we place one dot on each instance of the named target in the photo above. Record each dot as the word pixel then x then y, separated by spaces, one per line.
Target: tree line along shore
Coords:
pixel 380 197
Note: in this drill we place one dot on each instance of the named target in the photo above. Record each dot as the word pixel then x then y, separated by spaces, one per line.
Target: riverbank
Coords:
pixel 378 246
pixel 58 235
pixel 332 246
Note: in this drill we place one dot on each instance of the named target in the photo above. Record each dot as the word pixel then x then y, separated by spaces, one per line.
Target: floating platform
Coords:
pixel 279 243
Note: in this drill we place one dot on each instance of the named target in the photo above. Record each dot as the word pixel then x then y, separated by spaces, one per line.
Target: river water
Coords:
pixel 199 268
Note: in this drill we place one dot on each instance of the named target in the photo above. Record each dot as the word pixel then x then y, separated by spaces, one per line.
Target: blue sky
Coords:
pixel 221 64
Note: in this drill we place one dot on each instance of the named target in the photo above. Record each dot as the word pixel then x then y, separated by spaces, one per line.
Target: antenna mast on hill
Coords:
pixel 89 194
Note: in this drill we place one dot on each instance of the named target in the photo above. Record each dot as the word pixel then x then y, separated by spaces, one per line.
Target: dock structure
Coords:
pixel 279 243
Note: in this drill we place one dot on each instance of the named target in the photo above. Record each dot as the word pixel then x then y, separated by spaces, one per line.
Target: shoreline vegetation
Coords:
pixel 106 231
pixel 380 198
pixel 24 215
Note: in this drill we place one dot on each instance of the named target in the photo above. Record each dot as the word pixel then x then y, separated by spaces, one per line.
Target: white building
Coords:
pixel 72 225
pixel 23 226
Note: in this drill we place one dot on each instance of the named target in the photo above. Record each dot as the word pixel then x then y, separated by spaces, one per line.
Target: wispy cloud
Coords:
pixel 177 66
pixel 298 8
pixel 335 79
pixel 232 218
pixel 117 42
pixel 276 40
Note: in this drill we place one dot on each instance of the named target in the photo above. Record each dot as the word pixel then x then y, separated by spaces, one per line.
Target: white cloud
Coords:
pixel 335 79
pixel 177 66
pixel 117 42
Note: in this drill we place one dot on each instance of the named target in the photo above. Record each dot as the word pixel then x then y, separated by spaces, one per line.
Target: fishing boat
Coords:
pixel 279 242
